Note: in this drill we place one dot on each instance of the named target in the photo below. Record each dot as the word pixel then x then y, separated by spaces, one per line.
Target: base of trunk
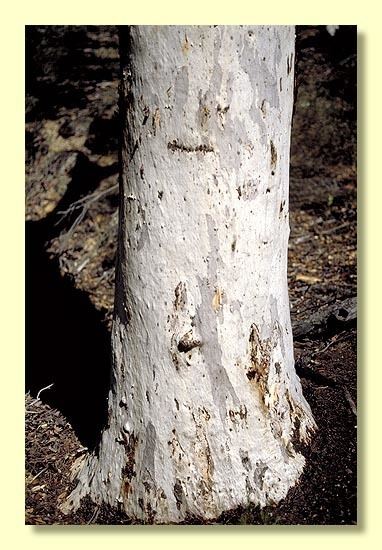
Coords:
pixel 195 487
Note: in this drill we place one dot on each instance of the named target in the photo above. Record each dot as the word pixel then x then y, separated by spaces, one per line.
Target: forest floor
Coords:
pixel 72 132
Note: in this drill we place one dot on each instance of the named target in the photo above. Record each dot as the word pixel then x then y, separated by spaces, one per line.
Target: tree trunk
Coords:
pixel 205 405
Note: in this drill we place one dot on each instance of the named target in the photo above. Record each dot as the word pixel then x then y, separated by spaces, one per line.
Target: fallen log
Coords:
pixel 330 320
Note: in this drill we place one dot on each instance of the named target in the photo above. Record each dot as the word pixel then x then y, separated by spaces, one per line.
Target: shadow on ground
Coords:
pixel 67 343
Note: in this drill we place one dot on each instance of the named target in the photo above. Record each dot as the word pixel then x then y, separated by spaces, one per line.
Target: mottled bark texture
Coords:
pixel 205 405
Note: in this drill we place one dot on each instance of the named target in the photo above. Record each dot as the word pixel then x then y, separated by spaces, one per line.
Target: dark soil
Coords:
pixel 72 220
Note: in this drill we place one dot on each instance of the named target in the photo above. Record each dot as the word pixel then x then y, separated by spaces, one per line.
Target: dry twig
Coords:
pixel 84 204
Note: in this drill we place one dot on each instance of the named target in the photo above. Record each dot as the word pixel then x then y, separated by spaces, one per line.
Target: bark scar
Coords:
pixel 187 342
pixel 273 155
pixel 180 296
pixel 176 146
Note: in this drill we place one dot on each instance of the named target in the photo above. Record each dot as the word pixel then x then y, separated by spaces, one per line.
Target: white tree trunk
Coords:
pixel 205 403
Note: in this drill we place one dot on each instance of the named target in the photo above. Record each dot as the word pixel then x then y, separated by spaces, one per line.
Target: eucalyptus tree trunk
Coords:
pixel 205 406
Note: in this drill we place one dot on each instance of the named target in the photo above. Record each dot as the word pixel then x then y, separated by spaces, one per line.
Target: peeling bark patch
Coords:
pixel 207 323
pixel 180 296
pixel 178 493
pixel 260 352
pixel 297 425
pixel 287 418
pixel 248 191
pixel 245 460
pixel 151 495
pixel 220 382
pixel 251 374
pixel 301 432
pixel 128 471
pixel 217 300
pixel 259 473
pixel 203 451
pixel 186 46
pixel 222 111
pixel 150 513
pixel 210 463
pixel 176 447
pixel 254 65
pixel 273 155
pixel 175 360
pixel 259 371
pixel 239 414
pixel 205 115
pixel 176 146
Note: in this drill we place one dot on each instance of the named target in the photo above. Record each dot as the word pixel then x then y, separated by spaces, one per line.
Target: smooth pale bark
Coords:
pixel 205 405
